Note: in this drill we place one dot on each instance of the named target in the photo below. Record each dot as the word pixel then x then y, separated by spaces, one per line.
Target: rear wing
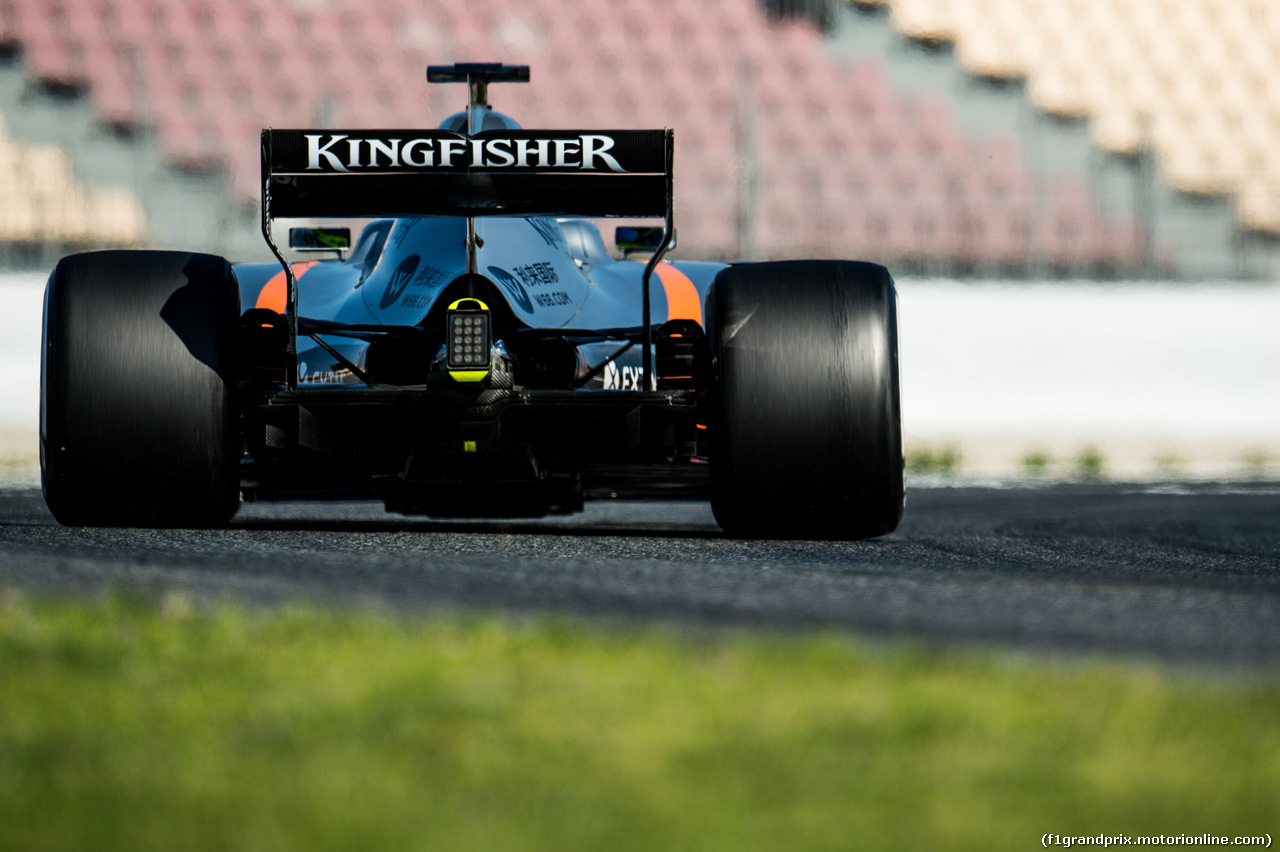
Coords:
pixel 408 173
pixel 399 173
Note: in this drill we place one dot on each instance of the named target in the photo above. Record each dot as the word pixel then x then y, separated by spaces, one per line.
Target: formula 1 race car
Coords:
pixel 477 353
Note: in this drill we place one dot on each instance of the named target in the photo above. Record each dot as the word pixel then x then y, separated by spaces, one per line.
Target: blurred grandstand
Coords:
pixel 1027 138
pixel 46 209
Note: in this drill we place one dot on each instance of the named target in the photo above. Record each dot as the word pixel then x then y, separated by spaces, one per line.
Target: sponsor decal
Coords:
pixel 622 378
pixel 399 281
pixel 420 292
pixel 537 274
pixel 549 230
pixel 336 376
pixel 513 287
pixel 404 227
pixel 553 300
pixel 340 152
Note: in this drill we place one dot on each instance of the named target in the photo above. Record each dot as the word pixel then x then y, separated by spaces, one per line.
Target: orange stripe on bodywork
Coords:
pixel 683 301
pixel 272 296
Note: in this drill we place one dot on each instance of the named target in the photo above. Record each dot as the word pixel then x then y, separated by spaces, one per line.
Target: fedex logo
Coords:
pixel 623 378
pixel 342 153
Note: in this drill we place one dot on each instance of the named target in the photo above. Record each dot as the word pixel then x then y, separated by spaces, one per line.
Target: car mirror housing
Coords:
pixel 629 239
pixel 320 239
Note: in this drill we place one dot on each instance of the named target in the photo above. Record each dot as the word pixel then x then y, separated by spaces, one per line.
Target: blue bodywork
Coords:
pixel 549 274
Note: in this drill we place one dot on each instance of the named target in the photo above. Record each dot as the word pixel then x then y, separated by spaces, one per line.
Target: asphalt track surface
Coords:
pixel 1188 573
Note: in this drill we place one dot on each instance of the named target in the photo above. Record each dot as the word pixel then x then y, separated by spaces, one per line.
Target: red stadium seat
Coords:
pixel 841 158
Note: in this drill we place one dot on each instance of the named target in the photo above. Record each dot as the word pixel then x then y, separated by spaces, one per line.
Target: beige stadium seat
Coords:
pixel 927 20
pixel 1225 165
pixel 49 220
pixel 1260 165
pixel 1202 72
pixel 45 203
pixel 115 217
pixel 1259 205
pixel 1142 89
pixel 987 55
pixel 17 217
pixel 1188 166
pixel 1058 89
pixel 1117 127
pixel 987 35
pixel 72 218
pixel 1025 37
pixel 10 157
pixel 1097 82
pixel 46 169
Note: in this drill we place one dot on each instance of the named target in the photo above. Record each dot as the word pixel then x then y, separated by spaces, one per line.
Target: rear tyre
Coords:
pixel 137 417
pixel 807 427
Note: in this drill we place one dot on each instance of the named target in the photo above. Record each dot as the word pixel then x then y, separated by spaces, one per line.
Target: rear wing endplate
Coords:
pixel 408 173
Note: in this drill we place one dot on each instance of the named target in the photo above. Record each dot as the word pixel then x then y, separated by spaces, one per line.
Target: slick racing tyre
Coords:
pixel 137 419
pixel 807 439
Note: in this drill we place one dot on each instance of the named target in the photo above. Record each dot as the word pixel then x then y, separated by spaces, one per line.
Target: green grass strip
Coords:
pixel 132 726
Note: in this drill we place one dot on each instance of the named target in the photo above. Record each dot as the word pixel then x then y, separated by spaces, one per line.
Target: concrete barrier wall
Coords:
pixel 21 305
pixel 1196 362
